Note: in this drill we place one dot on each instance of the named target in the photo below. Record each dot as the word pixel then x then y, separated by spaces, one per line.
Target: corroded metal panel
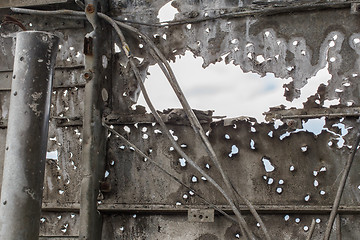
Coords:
pixel 287 172
pixel 292 46
pixel 63 78
pixel 293 226
pixel 265 164
pixel 70 32
pixel 62 180
pixel 59 224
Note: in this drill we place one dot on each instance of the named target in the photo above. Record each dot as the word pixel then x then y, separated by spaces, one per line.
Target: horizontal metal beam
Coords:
pixel 169 209
pixel 58 237
pixel 338 112
pixel 123 119
pixel 174 116
pixel 171 116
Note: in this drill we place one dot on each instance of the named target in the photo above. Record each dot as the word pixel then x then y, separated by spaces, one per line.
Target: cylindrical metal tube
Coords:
pixel 27 133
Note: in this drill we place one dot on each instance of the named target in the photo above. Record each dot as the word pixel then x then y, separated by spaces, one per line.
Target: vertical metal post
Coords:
pixel 94 135
pixel 27 135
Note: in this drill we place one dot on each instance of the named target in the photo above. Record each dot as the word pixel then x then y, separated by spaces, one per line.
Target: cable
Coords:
pixel 166 131
pixel 253 212
pixel 48 13
pixel 141 153
pixel 193 119
pixel 311 231
pixel 11 20
pixel 340 190
pixel 80 4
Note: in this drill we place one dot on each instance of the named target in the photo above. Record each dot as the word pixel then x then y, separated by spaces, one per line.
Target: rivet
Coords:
pixel 88 76
pixel 90 8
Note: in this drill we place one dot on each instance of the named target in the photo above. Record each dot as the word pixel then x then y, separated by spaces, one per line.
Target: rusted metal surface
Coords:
pixel 65 224
pixel 243 151
pixel 69 31
pixel 292 226
pixel 139 201
pixel 96 74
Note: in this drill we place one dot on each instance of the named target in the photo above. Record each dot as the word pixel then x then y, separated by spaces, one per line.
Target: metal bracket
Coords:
pixel 201 215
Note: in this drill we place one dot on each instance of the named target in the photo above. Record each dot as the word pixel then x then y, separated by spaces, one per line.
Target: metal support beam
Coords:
pixel 27 135
pixel 119 208
pixel 94 135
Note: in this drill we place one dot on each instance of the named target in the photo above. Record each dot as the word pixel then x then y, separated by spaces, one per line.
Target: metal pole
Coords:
pixel 27 135
pixel 94 135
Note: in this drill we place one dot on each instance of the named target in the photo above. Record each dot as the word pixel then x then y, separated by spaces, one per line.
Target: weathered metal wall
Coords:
pixel 62 175
pixel 138 200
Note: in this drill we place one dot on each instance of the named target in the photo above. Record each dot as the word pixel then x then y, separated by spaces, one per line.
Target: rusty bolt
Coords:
pixel 90 8
pixel 88 76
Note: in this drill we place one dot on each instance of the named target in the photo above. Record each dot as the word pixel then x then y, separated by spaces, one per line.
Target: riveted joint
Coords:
pixel 88 75
pixel 90 8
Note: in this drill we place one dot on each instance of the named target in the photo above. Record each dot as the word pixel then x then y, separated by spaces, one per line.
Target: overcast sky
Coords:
pixel 224 88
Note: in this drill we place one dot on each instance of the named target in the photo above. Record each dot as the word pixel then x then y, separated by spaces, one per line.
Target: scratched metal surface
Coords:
pixel 304 177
